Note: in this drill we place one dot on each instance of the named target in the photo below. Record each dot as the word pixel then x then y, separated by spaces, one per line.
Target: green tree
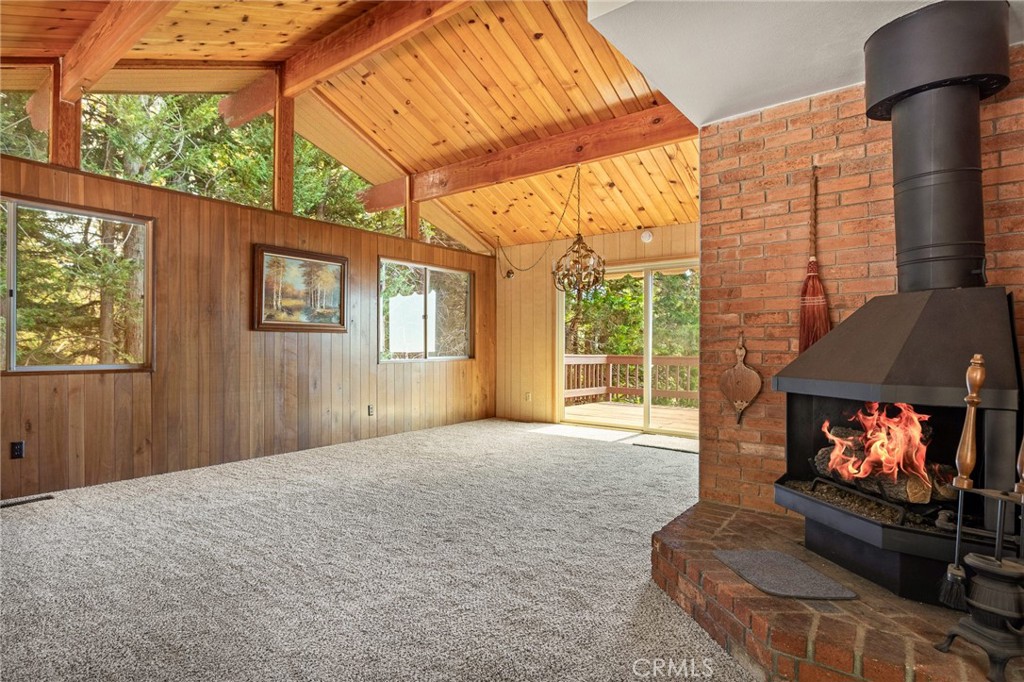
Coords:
pixel 327 190
pixel 79 289
pixel 17 136
pixel 180 142
pixel 608 320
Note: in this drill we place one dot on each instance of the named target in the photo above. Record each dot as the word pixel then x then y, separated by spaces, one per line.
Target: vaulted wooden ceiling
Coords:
pixel 490 76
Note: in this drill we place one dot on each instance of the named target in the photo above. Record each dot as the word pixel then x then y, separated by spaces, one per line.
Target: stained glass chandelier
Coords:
pixel 579 269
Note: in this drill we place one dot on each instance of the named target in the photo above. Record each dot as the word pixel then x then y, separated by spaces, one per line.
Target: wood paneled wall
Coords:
pixel 528 332
pixel 218 391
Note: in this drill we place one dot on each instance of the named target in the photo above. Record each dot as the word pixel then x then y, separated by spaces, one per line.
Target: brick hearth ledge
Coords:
pixel 877 637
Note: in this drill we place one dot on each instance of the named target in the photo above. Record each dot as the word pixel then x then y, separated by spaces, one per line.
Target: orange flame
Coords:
pixel 891 445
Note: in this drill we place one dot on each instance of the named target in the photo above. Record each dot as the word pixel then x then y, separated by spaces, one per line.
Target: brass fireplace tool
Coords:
pixel 995 587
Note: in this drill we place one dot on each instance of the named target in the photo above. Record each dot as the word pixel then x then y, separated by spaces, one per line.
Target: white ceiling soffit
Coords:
pixel 716 59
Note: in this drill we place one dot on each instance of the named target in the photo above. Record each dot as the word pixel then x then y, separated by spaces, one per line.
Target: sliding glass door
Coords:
pixel 630 351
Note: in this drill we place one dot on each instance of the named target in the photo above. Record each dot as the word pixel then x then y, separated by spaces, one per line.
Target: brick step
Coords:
pixel 877 637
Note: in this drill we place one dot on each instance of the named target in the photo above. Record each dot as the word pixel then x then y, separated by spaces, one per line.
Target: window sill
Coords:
pixel 43 371
pixel 400 361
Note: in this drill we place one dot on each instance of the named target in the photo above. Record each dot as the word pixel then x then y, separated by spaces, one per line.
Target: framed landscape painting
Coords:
pixel 298 290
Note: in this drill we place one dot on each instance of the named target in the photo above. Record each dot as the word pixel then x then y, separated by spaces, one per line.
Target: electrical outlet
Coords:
pixel 18 449
pixel 370 411
pixel 528 397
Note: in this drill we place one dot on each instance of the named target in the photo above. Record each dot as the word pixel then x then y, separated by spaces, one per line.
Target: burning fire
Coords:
pixel 891 445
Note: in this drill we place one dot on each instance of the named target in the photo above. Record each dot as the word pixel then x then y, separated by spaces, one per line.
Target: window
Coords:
pixel 432 234
pixel 19 135
pixel 77 285
pixel 179 142
pixel 414 326
pixel 326 189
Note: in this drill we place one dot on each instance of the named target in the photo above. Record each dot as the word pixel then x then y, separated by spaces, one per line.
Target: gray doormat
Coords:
pixel 782 575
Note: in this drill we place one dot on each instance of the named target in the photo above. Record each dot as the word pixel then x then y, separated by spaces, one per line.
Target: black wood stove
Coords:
pixel 926 72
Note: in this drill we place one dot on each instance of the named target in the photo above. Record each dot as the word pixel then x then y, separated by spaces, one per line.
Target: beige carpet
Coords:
pixel 482 551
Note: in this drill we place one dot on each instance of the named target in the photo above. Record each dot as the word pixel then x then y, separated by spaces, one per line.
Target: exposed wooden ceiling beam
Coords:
pixel 109 37
pixel 386 195
pixel 656 127
pixel 386 25
pixel 250 101
pixel 390 23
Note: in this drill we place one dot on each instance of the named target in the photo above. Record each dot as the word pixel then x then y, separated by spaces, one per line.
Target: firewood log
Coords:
pixel 904 489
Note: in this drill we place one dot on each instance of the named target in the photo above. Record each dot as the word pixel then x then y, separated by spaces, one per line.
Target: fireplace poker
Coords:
pixel 1018 490
pixel 953 592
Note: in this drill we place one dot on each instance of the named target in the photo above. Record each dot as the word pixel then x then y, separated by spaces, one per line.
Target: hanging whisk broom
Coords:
pixel 814 322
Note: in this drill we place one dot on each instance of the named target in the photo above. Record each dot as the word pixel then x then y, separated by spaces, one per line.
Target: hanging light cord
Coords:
pixel 568 200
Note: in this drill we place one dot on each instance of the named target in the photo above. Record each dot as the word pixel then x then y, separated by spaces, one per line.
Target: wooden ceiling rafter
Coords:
pixel 609 139
pixel 384 26
pixel 109 37
pixel 387 24
pixel 567 33
pixel 427 129
pixel 249 102
pixel 544 17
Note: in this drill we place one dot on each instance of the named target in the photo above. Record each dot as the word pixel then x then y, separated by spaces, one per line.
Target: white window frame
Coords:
pixel 470 310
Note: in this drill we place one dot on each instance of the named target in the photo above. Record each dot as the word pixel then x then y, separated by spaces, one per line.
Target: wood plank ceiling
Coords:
pixel 494 75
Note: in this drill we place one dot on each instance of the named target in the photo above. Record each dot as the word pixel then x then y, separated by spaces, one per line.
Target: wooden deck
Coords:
pixel 681 420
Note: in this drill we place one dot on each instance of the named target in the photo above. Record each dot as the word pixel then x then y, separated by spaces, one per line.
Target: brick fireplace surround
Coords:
pixel 754 216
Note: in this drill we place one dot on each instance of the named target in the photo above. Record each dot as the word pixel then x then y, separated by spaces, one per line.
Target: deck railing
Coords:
pixel 597 378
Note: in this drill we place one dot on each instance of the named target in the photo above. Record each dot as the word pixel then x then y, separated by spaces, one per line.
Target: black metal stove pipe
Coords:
pixel 927 72
pixel 940 225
